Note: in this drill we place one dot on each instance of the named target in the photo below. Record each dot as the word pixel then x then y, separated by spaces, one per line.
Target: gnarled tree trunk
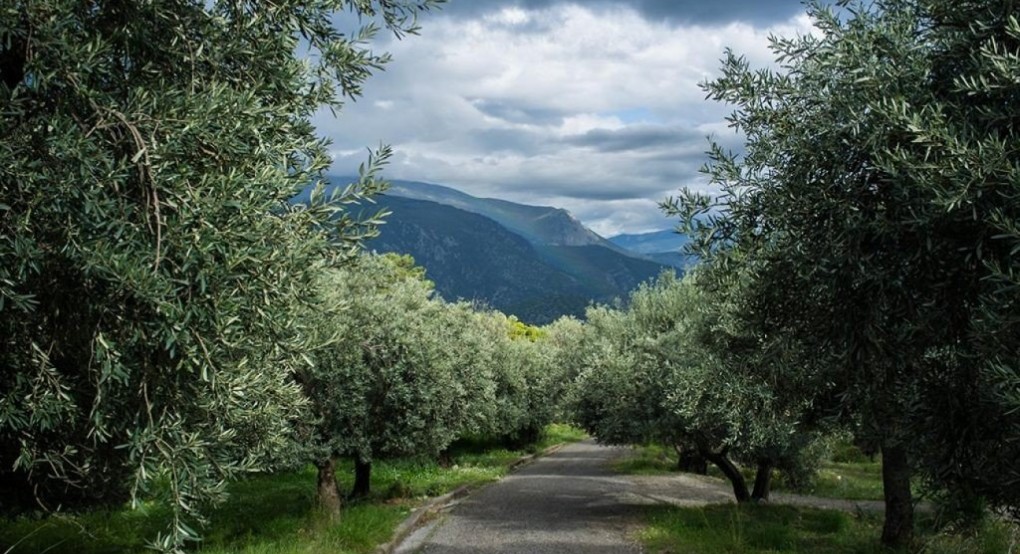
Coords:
pixel 763 481
pixel 722 461
pixel 328 492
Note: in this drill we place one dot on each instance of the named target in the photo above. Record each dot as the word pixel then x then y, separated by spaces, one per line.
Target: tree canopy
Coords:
pixel 875 208
pixel 152 268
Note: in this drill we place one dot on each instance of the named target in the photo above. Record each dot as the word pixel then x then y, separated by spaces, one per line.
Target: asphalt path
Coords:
pixel 569 501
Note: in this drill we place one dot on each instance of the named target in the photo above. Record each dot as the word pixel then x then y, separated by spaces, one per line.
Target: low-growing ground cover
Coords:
pixel 275 514
pixel 729 528
pixel 756 528
pixel 778 528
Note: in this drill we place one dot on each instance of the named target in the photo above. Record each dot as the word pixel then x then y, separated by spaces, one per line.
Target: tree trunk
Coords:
pixel 328 492
pixel 690 460
pixel 445 458
pixel 731 472
pixel 898 531
pixel 362 479
pixel 762 481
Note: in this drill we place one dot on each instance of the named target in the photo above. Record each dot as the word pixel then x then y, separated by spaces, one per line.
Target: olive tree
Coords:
pixel 389 380
pixel 877 203
pixel 616 397
pixel 150 262
pixel 742 389
pixel 676 367
pixel 526 378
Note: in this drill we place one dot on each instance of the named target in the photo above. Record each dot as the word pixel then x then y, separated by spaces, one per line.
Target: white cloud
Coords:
pixel 509 16
pixel 489 104
pixel 582 123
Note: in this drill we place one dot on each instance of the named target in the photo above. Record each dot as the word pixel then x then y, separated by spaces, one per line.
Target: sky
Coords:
pixel 593 106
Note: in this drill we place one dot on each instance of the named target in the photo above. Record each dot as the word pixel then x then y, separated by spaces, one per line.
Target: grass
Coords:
pixel 771 528
pixel 558 433
pixel 728 528
pixel 275 514
pixel 649 459
pixel 993 536
pixel 852 481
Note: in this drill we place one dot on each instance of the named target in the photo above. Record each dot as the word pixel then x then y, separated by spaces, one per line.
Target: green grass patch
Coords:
pixel 728 528
pixel 773 528
pixel 770 528
pixel 852 481
pixel 993 536
pixel 649 459
pixel 361 528
pixel 265 514
pixel 559 433
pixel 275 514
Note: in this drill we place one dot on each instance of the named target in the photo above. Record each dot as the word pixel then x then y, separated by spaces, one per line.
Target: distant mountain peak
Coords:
pixel 665 246
pixel 540 225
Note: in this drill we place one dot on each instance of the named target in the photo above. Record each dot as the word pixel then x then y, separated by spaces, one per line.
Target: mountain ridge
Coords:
pixel 471 257
pixel 535 262
pixel 665 246
pixel 539 224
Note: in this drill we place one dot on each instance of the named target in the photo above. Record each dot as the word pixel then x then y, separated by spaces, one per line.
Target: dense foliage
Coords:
pixel 402 373
pixel 170 316
pixel 676 367
pixel 874 212
pixel 386 384
pixel 152 270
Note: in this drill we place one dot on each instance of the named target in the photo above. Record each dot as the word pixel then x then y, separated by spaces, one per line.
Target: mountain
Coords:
pixel 665 247
pixel 537 263
pixel 651 243
pixel 472 257
pixel 538 224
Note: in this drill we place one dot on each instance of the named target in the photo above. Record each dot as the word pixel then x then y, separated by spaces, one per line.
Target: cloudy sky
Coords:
pixel 593 106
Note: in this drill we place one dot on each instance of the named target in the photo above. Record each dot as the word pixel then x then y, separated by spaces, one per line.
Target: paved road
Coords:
pixel 571 501
pixel 566 502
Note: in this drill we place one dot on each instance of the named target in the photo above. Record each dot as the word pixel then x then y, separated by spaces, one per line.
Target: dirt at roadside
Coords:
pixel 688 489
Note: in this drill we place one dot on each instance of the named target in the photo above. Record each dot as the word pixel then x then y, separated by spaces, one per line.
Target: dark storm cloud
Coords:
pixel 514 141
pixel 677 11
pixel 586 187
pixel 635 137
pixel 518 113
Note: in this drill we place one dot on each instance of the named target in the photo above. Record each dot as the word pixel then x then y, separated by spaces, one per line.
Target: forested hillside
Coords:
pixel 472 257
pixel 535 263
